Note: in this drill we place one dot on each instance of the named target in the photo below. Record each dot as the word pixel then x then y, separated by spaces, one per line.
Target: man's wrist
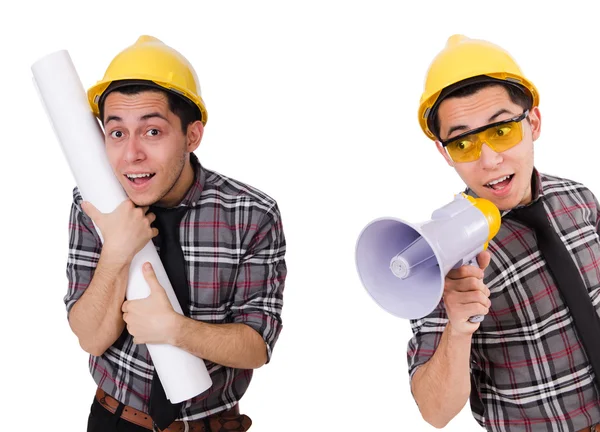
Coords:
pixel 178 328
pixel 457 336
pixel 113 259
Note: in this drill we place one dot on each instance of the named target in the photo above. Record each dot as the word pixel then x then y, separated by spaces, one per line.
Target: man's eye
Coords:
pixel 116 134
pixel 463 145
pixel 153 132
pixel 503 131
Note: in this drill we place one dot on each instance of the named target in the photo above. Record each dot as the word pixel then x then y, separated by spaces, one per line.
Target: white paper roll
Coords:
pixel 183 375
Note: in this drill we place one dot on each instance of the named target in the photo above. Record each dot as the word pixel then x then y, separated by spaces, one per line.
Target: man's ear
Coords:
pixel 535 121
pixel 195 131
pixel 444 153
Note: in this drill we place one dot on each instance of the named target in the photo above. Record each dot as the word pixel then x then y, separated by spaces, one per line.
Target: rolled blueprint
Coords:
pixel 183 375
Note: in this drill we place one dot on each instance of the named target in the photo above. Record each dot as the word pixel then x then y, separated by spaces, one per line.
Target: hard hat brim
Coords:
pixel 448 91
pixel 98 93
pixel 115 85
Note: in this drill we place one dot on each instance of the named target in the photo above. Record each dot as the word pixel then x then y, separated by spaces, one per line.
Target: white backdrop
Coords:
pixel 315 103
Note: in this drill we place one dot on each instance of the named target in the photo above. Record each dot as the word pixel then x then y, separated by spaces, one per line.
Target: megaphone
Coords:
pixel 403 265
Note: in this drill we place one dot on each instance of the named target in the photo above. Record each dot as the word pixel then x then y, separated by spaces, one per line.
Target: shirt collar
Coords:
pixel 537 190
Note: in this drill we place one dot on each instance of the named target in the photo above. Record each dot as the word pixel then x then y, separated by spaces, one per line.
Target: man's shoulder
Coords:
pixel 233 191
pixel 555 179
pixel 77 197
pixel 558 185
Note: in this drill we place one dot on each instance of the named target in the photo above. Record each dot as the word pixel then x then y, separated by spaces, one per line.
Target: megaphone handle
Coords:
pixel 475 318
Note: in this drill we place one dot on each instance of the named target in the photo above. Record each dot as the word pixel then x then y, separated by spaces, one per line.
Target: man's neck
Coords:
pixel 181 187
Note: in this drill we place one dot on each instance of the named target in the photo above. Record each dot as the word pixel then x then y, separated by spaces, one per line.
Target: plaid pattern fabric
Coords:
pixel 234 248
pixel 528 367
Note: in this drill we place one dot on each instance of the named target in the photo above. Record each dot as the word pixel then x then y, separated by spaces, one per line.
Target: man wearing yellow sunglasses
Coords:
pixel 533 364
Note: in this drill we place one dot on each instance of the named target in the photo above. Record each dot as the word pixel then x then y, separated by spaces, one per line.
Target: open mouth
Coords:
pixel 500 183
pixel 140 179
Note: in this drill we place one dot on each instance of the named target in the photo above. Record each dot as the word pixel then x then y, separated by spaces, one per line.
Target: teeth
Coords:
pixel 132 176
pixel 492 183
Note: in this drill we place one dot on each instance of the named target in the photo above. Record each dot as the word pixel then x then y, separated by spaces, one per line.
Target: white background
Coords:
pixel 315 103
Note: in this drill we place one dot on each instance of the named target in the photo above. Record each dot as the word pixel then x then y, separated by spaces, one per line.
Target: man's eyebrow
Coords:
pixel 113 118
pixel 456 128
pixel 142 118
pixel 490 120
pixel 153 115
pixel 499 113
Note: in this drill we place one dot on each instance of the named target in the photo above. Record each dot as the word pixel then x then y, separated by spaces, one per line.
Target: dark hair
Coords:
pixel 178 105
pixel 516 94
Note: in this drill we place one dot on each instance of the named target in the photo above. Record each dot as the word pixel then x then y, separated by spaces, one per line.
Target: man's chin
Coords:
pixel 505 204
pixel 502 203
pixel 141 200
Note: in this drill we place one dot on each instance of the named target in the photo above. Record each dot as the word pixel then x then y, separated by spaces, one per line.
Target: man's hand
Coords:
pixel 466 295
pixel 125 231
pixel 152 319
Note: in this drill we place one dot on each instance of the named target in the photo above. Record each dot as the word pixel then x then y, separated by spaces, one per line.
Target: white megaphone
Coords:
pixel 403 265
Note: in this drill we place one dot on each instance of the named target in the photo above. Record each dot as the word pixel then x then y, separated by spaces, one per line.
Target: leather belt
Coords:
pixel 224 421
pixel 594 428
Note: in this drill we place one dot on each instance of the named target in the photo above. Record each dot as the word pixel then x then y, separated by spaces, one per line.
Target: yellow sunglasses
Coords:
pixel 499 136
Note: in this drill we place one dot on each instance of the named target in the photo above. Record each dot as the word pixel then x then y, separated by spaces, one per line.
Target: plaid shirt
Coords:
pixel 528 368
pixel 234 248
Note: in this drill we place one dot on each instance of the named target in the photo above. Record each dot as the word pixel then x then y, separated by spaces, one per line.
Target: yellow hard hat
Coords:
pixel 465 58
pixel 149 59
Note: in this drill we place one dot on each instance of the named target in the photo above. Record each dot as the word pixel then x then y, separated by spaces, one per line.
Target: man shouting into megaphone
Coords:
pixel 531 365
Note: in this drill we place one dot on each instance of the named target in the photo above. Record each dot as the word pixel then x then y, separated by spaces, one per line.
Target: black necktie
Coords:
pixel 162 411
pixel 568 279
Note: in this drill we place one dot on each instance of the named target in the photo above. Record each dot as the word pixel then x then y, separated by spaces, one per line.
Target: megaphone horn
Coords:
pixel 403 265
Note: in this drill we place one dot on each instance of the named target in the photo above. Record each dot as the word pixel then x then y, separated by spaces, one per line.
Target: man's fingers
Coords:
pixel 474 297
pixel 464 272
pixel 483 259
pixel 466 285
pixel 475 309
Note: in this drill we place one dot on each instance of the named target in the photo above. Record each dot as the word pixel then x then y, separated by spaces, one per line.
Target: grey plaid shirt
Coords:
pixel 528 366
pixel 234 248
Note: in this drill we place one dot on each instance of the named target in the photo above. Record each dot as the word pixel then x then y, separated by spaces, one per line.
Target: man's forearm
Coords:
pixel 96 318
pixel 441 386
pixel 232 345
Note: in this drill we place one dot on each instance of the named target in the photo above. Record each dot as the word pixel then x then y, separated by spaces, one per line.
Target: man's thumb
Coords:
pixel 483 259
pixel 151 278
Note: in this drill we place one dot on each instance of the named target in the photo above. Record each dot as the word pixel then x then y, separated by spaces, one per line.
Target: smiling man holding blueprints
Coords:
pixel 221 243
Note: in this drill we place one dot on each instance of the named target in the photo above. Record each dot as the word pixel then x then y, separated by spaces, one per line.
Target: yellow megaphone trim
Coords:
pixel 491 213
